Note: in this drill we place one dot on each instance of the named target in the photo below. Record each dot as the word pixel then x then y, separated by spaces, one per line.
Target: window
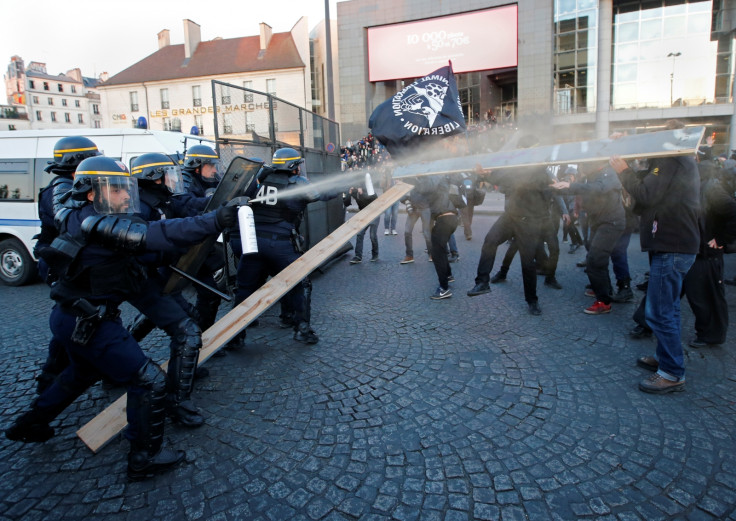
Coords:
pixel 198 124
pixel 67 117
pixel 225 95
pixel 60 87
pixel 96 109
pixel 227 123
pixel 63 102
pixel 31 84
pixel 35 100
pixel 271 86
pixel 45 85
pixel 74 89
pixel 164 98
pixel 53 116
pixel 76 103
pixel 196 96
pixel 167 123
pixel 51 101
pixel 80 117
pixel 98 124
pixel 11 127
pixel 249 125
pixel 38 116
pixel 134 101
pixel 248 96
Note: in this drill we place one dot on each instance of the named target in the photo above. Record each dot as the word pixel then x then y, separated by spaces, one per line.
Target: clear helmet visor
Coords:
pixel 116 194
pixel 173 180
pixel 212 170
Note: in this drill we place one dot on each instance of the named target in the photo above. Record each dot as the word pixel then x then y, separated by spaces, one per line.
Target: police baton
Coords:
pixel 187 276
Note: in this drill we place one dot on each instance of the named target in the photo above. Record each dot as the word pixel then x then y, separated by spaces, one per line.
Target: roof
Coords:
pixel 211 58
pixel 30 73
pixel 90 83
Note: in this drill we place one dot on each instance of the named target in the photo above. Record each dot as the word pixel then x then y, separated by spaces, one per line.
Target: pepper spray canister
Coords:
pixel 369 185
pixel 247 224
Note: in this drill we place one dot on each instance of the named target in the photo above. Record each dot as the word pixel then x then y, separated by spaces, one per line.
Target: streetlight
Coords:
pixel 674 56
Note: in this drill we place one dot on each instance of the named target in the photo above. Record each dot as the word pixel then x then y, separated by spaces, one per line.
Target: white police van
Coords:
pixel 23 156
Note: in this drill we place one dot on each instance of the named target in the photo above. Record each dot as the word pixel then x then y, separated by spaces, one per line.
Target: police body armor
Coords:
pixel 275 207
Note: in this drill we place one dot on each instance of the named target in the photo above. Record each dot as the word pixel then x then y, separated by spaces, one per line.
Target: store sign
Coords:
pixel 221 109
pixel 473 41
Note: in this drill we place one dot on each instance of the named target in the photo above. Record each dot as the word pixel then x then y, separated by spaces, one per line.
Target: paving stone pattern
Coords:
pixel 407 409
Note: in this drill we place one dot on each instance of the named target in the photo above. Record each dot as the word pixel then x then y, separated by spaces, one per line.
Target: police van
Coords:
pixel 24 155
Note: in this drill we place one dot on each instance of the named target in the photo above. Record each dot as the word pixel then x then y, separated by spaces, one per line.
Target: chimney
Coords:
pixel 163 39
pixel 192 37
pixel 75 73
pixel 104 76
pixel 266 33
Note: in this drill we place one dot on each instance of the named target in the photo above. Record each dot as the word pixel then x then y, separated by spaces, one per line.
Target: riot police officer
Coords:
pixel 96 259
pixel 68 153
pixel 161 197
pixel 277 216
pixel 201 174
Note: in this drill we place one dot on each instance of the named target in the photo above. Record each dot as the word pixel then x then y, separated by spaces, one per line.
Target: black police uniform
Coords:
pixel 276 220
pixel 85 321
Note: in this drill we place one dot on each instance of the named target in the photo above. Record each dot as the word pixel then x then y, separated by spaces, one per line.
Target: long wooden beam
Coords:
pixel 98 431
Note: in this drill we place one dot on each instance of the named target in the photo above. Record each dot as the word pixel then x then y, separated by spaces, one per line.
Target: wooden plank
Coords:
pixel 652 144
pixel 98 431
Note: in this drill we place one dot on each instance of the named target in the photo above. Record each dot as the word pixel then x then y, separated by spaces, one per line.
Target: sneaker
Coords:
pixel 623 295
pixel 468 237
pixel 430 258
pixel 394 232
pixel 598 308
pixel 498 277
pixel 408 259
pixel 658 384
pixel 640 332
pixel 648 362
pixel 454 257
pixel 356 260
pixel 387 232
pixel 374 258
pixel 534 309
pixel 441 293
pixel 552 283
pixel 479 289
pixel 581 264
pixel 450 279
pixel 589 293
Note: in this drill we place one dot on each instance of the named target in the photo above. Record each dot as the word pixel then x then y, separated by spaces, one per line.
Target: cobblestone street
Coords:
pixel 406 409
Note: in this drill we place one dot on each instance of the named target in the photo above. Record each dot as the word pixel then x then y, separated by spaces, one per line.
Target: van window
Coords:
pixel 16 180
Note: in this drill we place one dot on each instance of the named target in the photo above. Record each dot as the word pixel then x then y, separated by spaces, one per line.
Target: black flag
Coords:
pixel 427 109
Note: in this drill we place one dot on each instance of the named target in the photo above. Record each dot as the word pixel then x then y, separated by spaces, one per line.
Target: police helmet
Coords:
pixel 115 190
pixel 157 169
pixel 200 155
pixel 69 152
pixel 288 159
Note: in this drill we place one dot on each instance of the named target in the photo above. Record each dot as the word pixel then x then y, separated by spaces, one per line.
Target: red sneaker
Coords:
pixel 598 308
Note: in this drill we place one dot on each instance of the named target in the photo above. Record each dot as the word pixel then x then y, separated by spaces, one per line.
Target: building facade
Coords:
pixel 52 101
pixel 584 68
pixel 171 89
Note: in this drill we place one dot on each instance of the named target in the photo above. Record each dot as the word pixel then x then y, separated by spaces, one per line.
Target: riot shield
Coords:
pixel 238 177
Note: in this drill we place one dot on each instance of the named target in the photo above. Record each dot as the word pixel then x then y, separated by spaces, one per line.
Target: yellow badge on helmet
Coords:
pixel 656 170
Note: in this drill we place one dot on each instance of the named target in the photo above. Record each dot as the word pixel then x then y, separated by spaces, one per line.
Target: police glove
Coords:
pixel 115 233
pixel 226 216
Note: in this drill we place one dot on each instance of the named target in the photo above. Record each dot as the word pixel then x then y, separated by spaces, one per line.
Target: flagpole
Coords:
pixel 328 43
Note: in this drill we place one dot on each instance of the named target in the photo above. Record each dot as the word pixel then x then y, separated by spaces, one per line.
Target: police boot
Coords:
pixel 147 455
pixel 305 334
pixel 30 427
pixel 44 381
pixel 144 464
pixel 624 293
pixel 140 327
pixel 186 340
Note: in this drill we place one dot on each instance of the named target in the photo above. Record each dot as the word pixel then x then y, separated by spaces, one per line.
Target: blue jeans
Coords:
pixel 373 234
pixel 391 216
pixel 666 274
